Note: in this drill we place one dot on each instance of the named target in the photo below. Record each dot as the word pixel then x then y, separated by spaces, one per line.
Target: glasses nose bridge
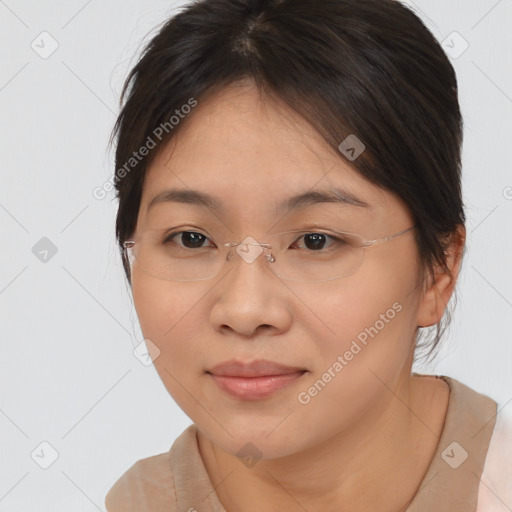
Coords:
pixel 249 250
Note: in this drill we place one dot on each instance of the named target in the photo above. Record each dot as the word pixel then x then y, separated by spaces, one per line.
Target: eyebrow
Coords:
pixel 194 197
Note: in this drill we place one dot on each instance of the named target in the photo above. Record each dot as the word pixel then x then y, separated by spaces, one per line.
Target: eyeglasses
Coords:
pixel 293 255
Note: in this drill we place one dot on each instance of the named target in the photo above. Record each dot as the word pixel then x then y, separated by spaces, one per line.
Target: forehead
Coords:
pixel 248 150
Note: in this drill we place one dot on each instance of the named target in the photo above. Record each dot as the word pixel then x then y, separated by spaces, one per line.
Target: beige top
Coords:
pixel 178 481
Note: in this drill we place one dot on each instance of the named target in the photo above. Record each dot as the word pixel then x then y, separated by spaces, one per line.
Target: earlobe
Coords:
pixel 441 283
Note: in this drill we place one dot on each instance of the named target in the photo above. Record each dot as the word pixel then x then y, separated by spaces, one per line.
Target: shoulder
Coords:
pixel 495 488
pixel 146 485
pixel 150 483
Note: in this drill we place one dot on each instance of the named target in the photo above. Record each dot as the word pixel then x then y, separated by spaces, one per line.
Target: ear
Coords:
pixel 441 284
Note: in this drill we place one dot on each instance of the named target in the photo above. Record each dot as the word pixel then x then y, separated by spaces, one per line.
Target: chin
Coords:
pixel 262 441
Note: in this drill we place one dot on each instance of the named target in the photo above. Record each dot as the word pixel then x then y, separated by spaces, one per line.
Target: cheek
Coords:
pixel 166 314
pixel 371 320
pixel 169 315
pixel 154 305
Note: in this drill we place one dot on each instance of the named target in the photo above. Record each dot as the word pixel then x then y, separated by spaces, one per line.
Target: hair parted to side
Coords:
pixel 364 67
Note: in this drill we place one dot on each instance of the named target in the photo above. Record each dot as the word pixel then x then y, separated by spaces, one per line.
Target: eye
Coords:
pixel 187 239
pixel 317 242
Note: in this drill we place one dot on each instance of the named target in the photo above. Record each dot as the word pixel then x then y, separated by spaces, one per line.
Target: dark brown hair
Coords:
pixel 364 67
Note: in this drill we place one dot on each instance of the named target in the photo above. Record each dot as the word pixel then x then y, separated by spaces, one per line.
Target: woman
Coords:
pixel 290 219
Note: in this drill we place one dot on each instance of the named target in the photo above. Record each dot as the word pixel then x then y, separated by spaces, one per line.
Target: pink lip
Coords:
pixel 255 380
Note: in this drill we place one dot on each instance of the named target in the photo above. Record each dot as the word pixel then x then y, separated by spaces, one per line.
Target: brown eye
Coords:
pixel 187 239
pixel 317 242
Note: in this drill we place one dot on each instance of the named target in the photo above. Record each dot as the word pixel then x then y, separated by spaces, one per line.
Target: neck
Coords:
pixel 377 464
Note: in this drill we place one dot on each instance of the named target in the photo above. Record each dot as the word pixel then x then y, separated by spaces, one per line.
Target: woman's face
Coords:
pixel 353 336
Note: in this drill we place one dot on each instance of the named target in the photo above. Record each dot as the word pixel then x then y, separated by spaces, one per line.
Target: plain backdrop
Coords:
pixel 74 397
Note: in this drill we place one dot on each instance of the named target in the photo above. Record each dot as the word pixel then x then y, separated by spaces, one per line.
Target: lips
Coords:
pixel 258 368
pixel 254 381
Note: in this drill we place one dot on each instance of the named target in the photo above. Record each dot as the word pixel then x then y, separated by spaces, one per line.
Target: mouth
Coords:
pixel 256 380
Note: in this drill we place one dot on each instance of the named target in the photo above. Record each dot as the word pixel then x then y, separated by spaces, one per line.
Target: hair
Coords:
pixel 364 67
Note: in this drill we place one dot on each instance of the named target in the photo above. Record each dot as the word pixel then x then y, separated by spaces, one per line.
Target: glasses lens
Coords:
pixel 187 256
pixel 310 256
pixel 298 255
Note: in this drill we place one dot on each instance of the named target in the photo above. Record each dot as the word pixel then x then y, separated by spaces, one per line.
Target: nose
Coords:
pixel 250 299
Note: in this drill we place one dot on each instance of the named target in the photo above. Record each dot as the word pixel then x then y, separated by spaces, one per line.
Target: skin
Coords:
pixel 366 440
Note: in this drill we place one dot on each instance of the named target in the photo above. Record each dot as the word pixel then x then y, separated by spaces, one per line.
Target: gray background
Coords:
pixel 68 373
